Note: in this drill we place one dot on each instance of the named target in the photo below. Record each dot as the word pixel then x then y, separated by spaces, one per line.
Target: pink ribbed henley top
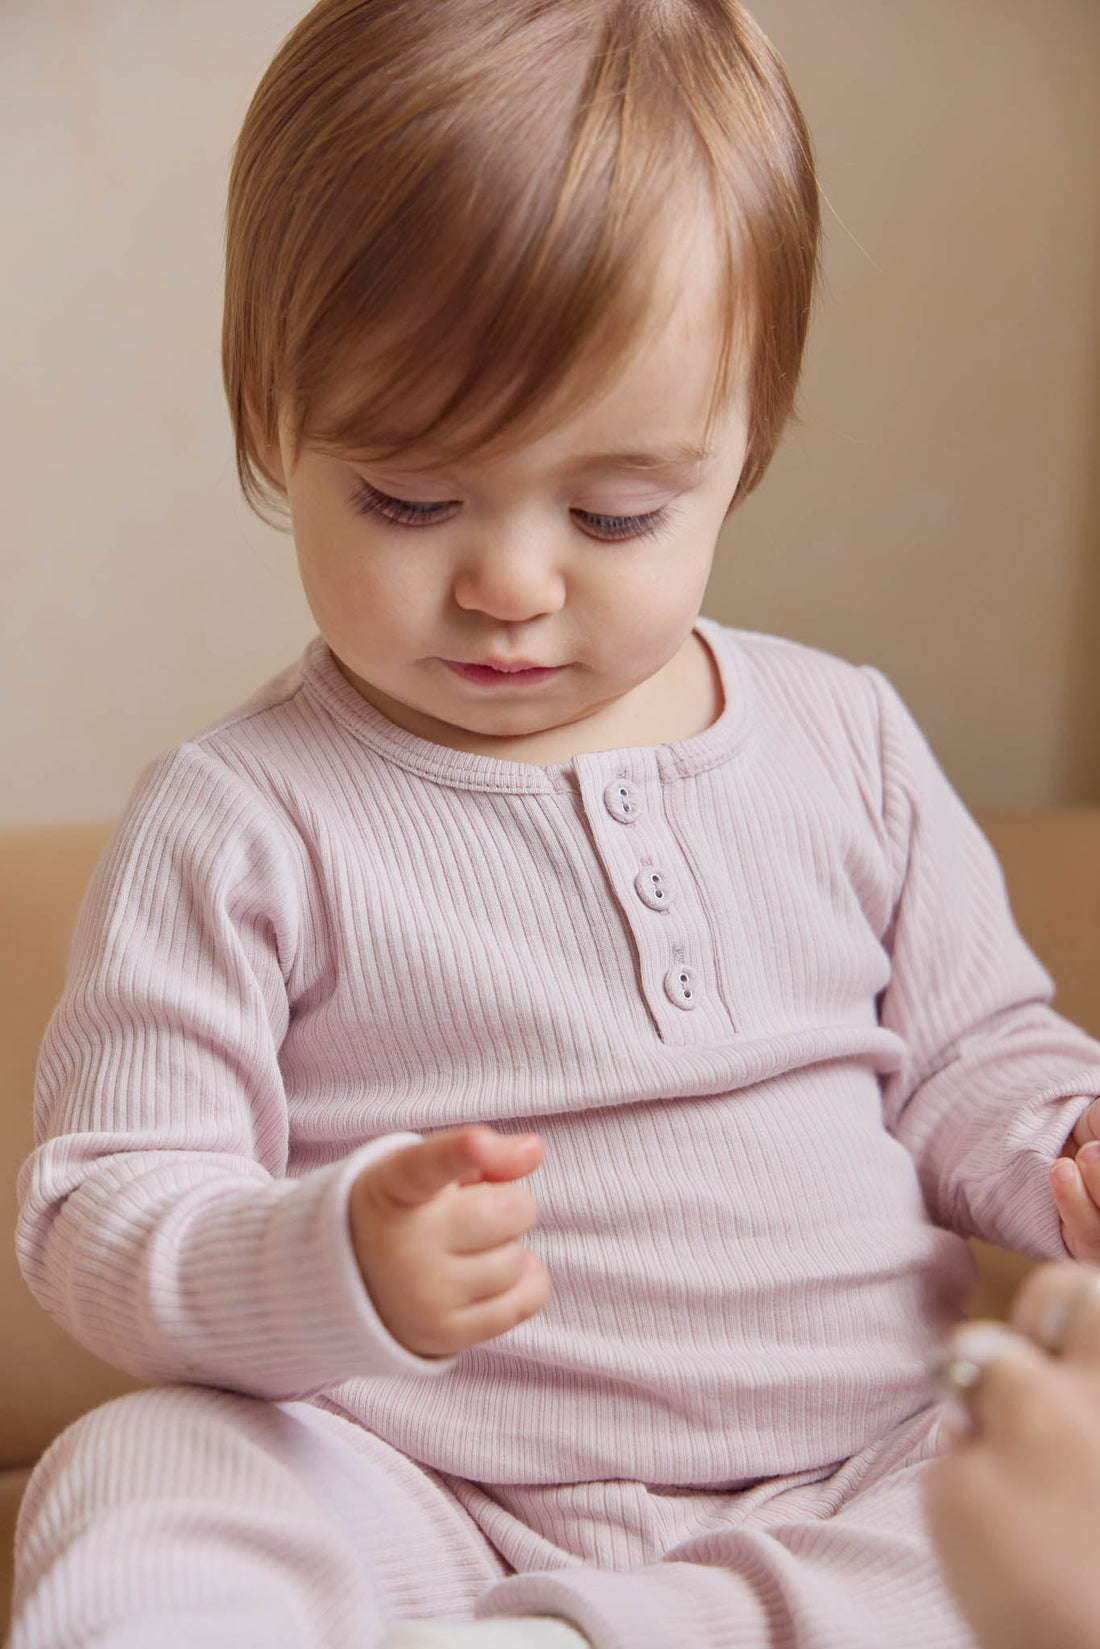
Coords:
pixel 759 990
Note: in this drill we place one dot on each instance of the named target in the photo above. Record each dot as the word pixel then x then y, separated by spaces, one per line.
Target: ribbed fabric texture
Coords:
pixel 760 992
pixel 181 1516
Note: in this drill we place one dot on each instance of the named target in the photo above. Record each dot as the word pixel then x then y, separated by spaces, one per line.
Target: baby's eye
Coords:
pixel 626 526
pixel 367 500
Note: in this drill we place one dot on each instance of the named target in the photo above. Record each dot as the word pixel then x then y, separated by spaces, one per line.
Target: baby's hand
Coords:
pixel 438 1250
pixel 1075 1183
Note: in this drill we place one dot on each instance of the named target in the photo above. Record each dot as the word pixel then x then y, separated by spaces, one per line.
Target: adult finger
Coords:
pixel 1058 1308
pixel 419 1172
pixel 964 1365
pixel 1018 1399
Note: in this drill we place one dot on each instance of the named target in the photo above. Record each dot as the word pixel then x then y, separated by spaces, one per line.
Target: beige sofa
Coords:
pixel 1052 864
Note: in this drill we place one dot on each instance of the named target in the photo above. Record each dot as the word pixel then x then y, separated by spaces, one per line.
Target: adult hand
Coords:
pixel 435 1232
pixel 1014 1505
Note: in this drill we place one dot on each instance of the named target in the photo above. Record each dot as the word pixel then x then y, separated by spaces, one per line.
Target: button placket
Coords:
pixel 645 866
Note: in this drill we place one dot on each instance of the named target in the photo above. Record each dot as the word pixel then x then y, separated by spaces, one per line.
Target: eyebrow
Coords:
pixel 679 457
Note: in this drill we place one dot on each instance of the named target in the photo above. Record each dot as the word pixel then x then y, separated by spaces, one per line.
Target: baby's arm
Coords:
pixel 157 1223
pixel 994 1080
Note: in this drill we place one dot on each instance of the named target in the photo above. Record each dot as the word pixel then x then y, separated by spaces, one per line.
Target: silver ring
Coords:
pixel 1056 1323
pixel 961 1366
pixel 959 1375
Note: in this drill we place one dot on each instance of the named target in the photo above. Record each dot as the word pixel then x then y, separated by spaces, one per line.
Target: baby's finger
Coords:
pixel 419 1172
pixel 1059 1308
pixel 1088 1165
pixel 487 1215
pixel 509 1156
pixel 1087 1126
pixel 494 1271
pixel 488 1318
pixel 1078 1212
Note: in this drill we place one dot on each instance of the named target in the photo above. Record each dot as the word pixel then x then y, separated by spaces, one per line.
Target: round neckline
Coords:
pixel 467 770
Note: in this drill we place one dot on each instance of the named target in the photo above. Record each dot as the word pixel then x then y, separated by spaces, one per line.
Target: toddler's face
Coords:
pixel 555 555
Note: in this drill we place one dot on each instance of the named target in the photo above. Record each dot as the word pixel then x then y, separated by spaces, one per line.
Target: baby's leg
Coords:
pixel 844 1563
pixel 185 1516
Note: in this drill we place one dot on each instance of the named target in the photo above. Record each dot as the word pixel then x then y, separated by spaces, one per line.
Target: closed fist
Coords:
pixel 436 1229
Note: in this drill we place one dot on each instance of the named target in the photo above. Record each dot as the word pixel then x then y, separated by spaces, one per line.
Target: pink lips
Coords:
pixel 490 675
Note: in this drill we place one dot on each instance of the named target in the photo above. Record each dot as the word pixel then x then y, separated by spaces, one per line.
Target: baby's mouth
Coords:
pixel 490 675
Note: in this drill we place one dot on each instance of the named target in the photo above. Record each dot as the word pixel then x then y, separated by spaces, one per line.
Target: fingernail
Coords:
pixel 1063 1171
pixel 1089 1152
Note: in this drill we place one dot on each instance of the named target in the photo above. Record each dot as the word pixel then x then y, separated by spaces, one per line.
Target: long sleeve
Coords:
pixel 158 1223
pixel 989 1089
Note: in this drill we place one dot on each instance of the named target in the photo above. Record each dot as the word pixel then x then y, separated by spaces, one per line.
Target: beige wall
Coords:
pixel 936 513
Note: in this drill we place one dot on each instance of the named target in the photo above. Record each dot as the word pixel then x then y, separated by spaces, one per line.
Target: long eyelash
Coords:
pixel 368 501
pixel 630 526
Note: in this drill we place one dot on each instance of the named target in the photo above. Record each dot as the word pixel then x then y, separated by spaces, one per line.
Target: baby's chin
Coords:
pixel 520 733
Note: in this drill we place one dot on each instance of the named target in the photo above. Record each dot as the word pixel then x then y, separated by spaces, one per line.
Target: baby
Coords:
pixel 526 1077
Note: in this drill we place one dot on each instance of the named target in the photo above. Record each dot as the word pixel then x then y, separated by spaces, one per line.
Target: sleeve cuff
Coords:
pixel 279 1274
pixel 388 1355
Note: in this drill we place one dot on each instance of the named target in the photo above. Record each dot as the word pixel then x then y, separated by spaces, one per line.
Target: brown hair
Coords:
pixel 451 203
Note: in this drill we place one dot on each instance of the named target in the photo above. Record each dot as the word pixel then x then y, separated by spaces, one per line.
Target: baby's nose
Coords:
pixel 511 581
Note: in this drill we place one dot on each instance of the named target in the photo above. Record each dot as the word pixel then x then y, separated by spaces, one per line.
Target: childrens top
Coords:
pixel 759 990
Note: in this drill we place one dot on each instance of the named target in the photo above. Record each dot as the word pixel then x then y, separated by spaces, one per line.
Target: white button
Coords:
pixel 623 800
pixel 652 888
pixel 682 985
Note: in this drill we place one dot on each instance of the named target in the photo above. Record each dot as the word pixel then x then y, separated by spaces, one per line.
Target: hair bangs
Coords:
pixel 459 235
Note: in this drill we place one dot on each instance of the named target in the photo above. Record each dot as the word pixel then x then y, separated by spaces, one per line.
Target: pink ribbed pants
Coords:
pixel 185 1516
